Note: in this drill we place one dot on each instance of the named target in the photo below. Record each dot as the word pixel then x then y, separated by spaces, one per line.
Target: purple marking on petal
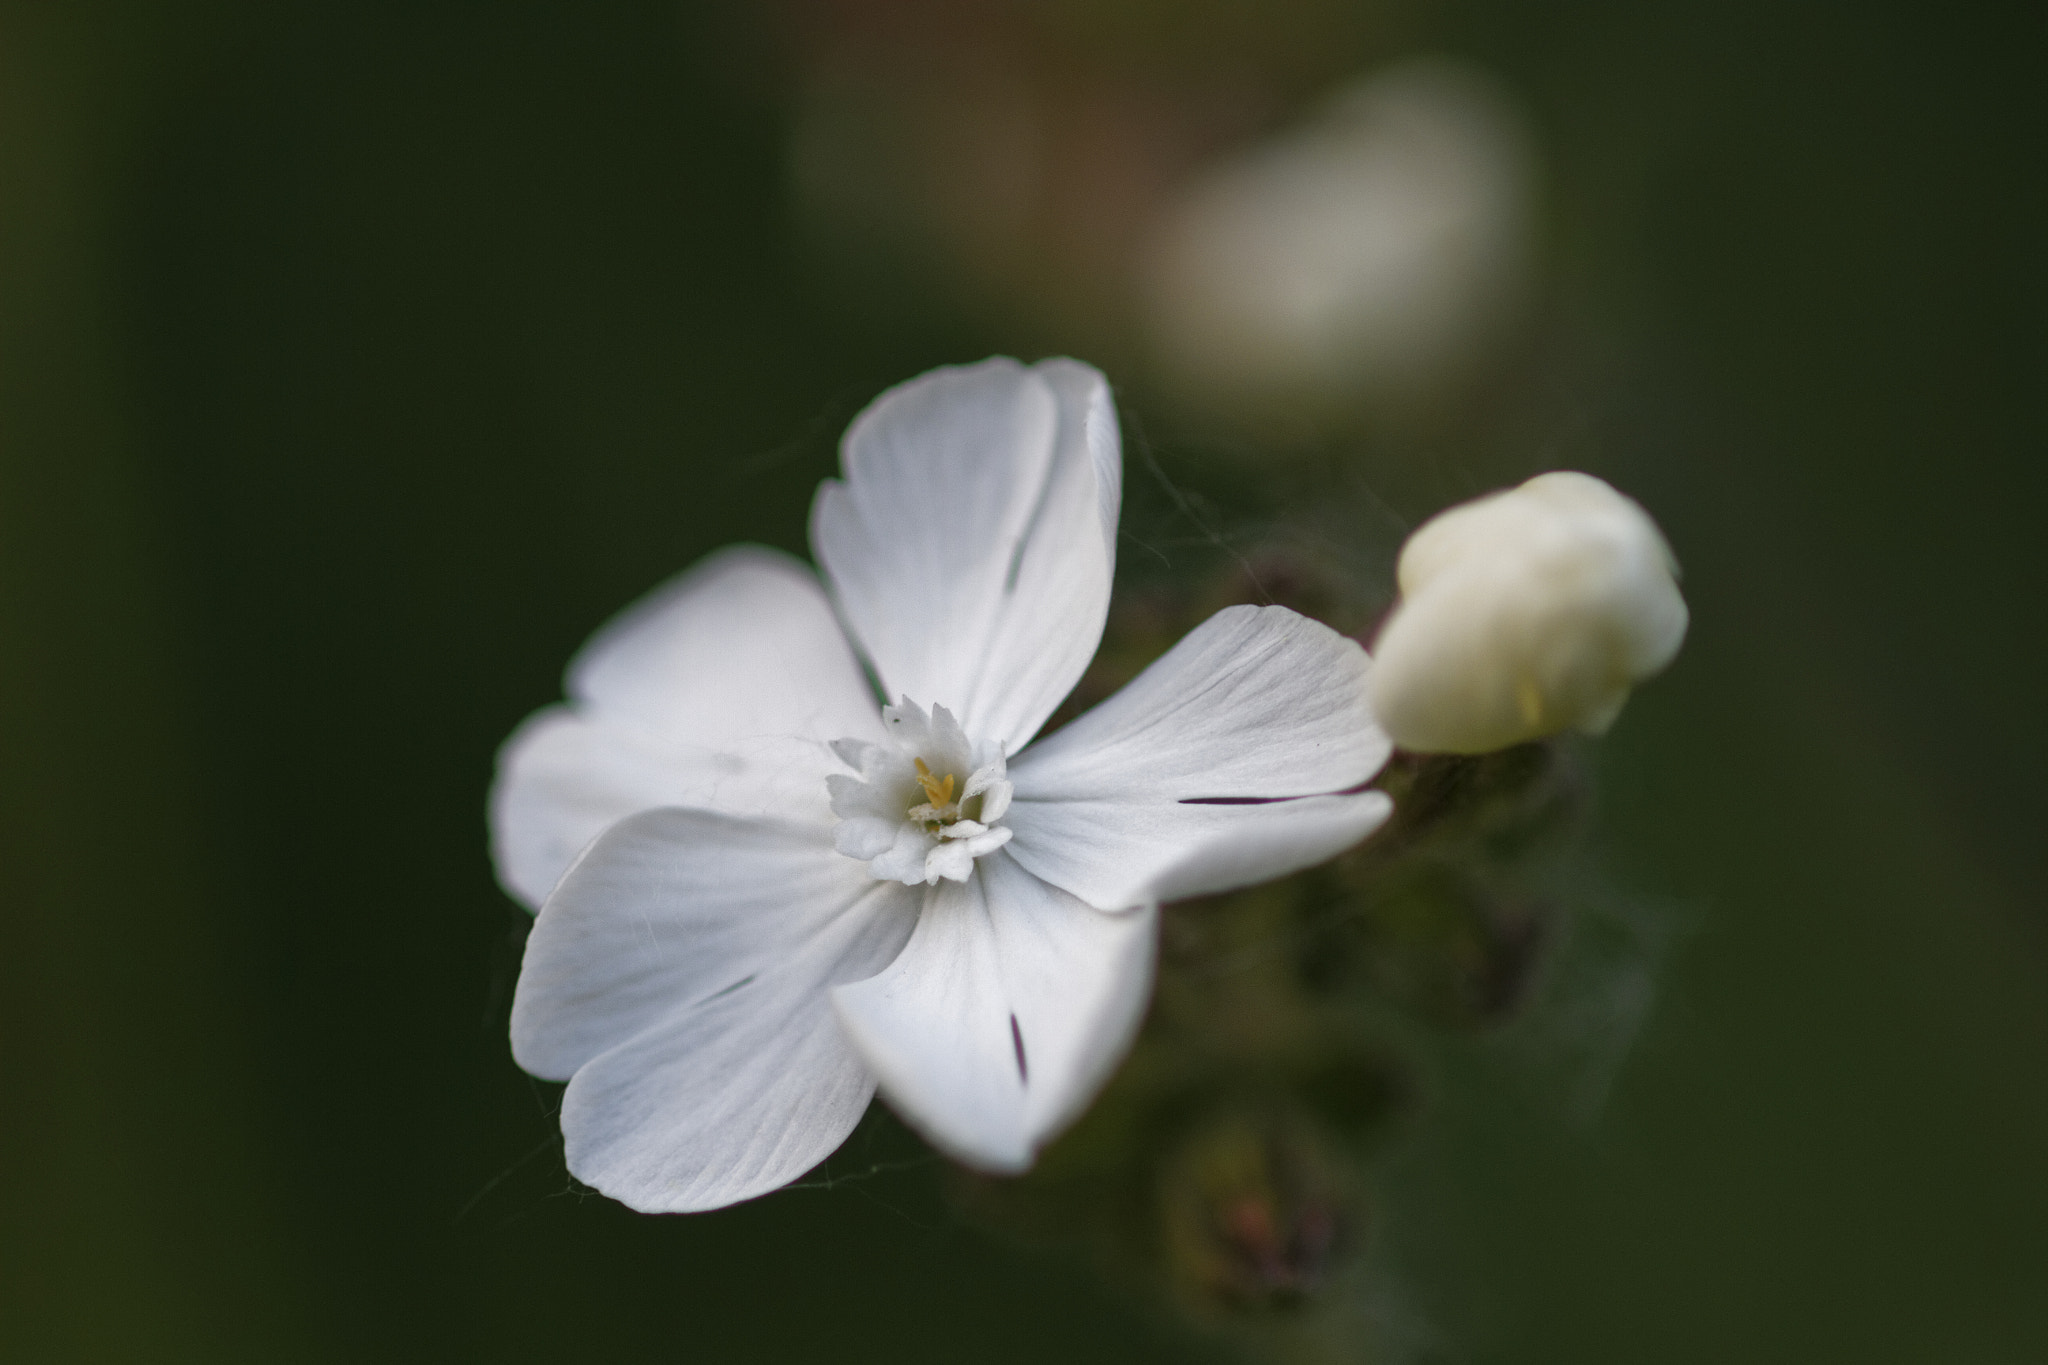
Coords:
pixel 1364 786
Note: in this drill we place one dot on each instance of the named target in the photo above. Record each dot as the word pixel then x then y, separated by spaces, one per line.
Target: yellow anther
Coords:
pixel 939 791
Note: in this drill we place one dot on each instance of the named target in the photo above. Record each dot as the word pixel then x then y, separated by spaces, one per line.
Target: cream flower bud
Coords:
pixel 1524 613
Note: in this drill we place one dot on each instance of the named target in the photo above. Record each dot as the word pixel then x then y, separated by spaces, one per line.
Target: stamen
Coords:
pixel 939 791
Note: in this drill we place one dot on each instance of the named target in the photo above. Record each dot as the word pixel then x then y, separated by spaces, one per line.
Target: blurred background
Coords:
pixel 357 360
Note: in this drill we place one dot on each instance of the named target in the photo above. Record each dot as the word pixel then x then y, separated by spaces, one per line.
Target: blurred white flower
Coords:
pixel 761 892
pixel 1366 256
pixel 1524 613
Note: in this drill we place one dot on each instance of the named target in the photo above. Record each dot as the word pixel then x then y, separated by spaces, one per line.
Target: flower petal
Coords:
pixel 1182 783
pixel 972 542
pixel 935 1028
pixel 742 644
pixel 1004 1015
pixel 680 978
pixel 564 777
pixel 719 690
pixel 1077 982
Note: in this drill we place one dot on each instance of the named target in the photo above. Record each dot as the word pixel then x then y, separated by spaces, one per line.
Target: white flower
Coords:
pixel 761 892
pixel 1369 254
pixel 1524 613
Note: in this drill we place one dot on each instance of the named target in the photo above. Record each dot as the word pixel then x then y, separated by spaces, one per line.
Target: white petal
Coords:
pixel 935 1029
pixel 718 690
pixel 972 542
pixel 903 860
pixel 743 644
pixel 857 753
pixel 851 798
pixel 1115 855
pixel 1177 785
pixel 668 907
pixel 564 777
pixel 680 976
pixel 952 862
pixel 1077 981
pixel 995 801
pixel 988 841
pixel 864 836
pixel 1004 1014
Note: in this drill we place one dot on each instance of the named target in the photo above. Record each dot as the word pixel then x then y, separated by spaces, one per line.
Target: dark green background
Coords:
pixel 357 359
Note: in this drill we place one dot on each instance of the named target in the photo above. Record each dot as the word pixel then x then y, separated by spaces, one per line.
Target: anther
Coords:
pixel 939 791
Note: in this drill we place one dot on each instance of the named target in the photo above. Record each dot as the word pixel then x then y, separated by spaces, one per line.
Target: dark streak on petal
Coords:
pixel 1017 1037
pixel 1364 786
pixel 720 995
pixel 1016 568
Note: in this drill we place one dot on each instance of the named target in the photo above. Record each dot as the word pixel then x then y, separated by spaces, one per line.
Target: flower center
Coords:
pixel 908 822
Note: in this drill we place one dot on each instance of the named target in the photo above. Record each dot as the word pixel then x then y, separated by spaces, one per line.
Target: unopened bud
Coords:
pixel 1525 613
